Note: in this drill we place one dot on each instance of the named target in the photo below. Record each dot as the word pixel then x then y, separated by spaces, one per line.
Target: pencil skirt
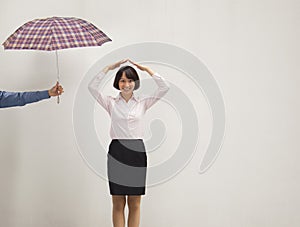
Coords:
pixel 127 167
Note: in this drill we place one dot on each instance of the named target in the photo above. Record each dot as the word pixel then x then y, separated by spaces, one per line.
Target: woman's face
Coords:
pixel 126 85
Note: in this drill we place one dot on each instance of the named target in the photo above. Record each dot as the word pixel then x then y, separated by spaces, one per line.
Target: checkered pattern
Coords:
pixel 55 33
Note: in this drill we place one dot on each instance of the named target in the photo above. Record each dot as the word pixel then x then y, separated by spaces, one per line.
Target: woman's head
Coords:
pixel 127 79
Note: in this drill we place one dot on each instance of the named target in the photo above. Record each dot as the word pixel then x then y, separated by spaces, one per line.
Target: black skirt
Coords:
pixel 127 167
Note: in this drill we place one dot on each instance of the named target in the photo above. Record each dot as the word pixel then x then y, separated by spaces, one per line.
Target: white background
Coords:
pixel 251 48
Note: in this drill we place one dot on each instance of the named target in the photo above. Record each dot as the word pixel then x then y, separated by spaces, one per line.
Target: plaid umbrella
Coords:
pixel 55 33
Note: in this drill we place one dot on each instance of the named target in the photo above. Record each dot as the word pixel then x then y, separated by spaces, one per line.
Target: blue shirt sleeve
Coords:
pixel 10 99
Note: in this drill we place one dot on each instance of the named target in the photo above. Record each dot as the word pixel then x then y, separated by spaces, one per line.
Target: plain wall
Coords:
pixel 252 49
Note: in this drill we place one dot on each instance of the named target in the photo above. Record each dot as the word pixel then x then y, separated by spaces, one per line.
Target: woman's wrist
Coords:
pixel 150 71
pixel 105 70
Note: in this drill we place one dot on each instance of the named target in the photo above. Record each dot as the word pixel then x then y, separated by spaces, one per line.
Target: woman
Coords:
pixel 127 159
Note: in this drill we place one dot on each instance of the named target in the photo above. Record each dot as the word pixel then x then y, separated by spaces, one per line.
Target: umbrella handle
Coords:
pixel 58 98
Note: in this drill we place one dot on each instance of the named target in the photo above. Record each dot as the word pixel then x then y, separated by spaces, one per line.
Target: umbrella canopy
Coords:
pixel 56 33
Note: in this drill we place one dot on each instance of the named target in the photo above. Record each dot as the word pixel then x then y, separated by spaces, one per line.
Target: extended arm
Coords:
pixel 102 99
pixel 10 99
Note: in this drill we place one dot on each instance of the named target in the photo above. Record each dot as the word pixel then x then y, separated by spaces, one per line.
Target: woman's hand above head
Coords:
pixel 114 66
pixel 142 67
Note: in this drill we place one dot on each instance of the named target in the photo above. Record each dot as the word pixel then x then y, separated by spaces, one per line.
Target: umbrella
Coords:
pixel 55 33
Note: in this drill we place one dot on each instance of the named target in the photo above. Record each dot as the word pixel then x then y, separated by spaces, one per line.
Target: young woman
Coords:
pixel 127 159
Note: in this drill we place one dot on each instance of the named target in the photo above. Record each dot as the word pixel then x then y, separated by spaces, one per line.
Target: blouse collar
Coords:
pixel 119 96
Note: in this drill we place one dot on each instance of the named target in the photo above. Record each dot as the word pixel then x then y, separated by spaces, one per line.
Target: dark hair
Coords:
pixel 130 73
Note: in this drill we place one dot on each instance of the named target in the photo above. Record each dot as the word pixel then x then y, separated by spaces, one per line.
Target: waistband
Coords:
pixel 127 140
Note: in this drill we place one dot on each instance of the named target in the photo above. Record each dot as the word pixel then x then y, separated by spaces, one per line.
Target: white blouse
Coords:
pixel 127 118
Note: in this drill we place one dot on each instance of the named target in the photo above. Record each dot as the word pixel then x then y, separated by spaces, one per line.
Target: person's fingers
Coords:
pixel 57 89
pixel 60 89
pixel 132 62
pixel 137 65
pixel 117 64
pixel 122 61
pixel 56 86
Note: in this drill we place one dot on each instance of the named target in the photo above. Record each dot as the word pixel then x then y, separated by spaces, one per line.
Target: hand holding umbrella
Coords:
pixel 56 90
